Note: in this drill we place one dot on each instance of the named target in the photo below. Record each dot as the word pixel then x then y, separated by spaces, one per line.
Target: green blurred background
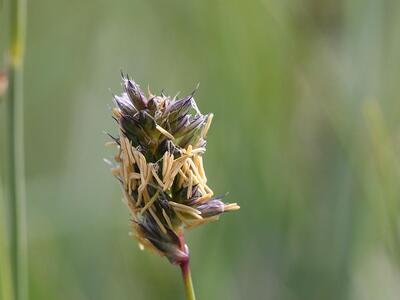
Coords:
pixel 305 137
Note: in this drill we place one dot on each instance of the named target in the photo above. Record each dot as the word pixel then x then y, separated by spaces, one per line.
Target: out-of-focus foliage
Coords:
pixel 305 137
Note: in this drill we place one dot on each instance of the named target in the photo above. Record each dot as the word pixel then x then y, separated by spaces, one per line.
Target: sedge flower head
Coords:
pixel 159 164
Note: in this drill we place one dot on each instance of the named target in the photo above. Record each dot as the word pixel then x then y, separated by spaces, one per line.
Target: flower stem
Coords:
pixel 187 280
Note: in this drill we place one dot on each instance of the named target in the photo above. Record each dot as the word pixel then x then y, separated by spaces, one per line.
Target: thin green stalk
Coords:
pixel 187 280
pixel 15 171
pixel 6 285
pixel 6 281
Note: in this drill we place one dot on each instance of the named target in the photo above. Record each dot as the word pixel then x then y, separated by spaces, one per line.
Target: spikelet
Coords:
pixel 160 167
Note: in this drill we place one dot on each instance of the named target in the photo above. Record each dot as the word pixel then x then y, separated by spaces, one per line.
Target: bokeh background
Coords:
pixel 305 137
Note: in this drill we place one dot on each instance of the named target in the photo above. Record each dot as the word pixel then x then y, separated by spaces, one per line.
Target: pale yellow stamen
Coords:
pixel 199 163
pixel 125 173
pixel 165 132
pixel 164 166
pixel 167 219
pixel 134 175
pixel 201 222
pixel 195 170
pixel 117 156
pixel 170 173
pixel 198 150
pixel 116 171
pixel 193 214
pixel 148 204
pixel 173 171
pixel 157 220
pixel 207 126
pixel 155 175
pixel 183 171
pixel 203 198
pixel 129 150
pixel 182 218
pixel 184 208
pixel 231 207
pixel 111 143
pixel 189 150
pixel 190 186
pixel 167 167
pixel 183 175
pixel 116 112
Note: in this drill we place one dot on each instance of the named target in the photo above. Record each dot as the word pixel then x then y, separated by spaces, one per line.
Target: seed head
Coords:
pixel 159 163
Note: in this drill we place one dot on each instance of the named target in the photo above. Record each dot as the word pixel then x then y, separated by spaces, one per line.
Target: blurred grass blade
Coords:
pixel 15 169
pixel 6 286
